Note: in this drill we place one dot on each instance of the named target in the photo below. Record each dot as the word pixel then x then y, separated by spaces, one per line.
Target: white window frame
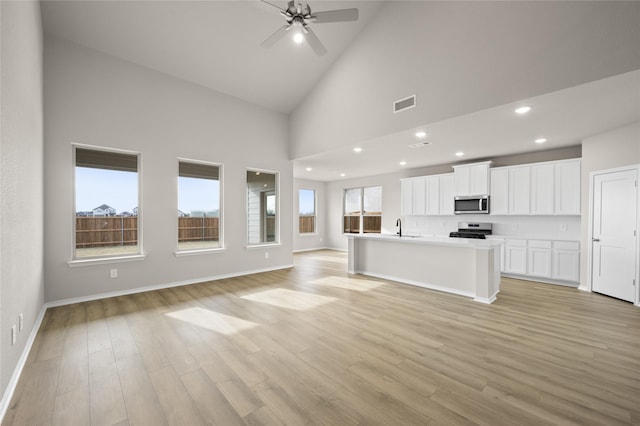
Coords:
pixel 255 246
pixel 221 248
pixel 315 213
pixel 362 211
pixel 117 258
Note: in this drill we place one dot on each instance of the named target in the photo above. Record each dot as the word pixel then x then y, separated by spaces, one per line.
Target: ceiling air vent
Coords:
pixel 406 103
pixel 419 144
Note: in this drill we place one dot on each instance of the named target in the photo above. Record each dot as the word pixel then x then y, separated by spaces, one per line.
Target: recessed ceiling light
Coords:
pixel 523 109
pixel 342 175
pixel 459 154
pixel 357 149
pixel 298 38
pixel 540 140
pixel 403 163
pixel 308 169
pixel 421 135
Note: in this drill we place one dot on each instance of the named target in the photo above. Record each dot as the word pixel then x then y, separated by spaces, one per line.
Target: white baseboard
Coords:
pixel 486 300
pixel 540 280
pixel 311 249
pixel 160 286
pixel 17 371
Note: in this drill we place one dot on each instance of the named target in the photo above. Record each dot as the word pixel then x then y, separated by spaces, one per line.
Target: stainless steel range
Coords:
pixel 476 230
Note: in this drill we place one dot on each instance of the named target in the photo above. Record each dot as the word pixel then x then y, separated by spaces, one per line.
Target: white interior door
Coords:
pixel 614 234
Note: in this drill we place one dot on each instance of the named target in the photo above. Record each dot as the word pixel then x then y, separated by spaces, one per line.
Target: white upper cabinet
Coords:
pixel 499 201
pixel 419 196
pixel 427 195
pixel 520 190
pixel 567 187
pixel 550 188
pixel 406 196
pixel 542 184
pixel 472 179
pixel 447 183
pixel 433 195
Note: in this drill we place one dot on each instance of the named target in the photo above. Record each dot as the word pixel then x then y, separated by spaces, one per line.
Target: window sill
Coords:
pixel 197 252
pixel 262 246
pixel 105 260
pixel 307 234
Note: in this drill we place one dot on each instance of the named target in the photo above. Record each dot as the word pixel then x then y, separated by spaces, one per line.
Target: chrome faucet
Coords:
pixel 399 225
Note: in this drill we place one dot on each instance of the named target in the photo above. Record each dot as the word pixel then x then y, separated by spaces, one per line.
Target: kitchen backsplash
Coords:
pixel 556 227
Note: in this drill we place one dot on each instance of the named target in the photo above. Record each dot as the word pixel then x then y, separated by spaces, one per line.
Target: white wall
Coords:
pixel 616 148
pixel 317 240
pixel 21 182
pixel 96 99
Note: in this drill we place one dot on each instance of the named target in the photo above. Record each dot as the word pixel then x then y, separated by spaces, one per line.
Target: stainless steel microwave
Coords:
pixel 472 204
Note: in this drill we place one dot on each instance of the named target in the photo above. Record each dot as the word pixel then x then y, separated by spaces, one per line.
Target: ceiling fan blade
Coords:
pixel 271 4
pixel 342 15
pixel 275 37
pixel 314 41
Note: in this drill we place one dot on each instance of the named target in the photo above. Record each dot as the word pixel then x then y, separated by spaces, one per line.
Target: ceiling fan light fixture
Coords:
pixel 298 38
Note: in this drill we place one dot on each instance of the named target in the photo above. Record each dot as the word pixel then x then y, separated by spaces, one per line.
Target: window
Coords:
pixel 363 210
pixel 306 211
pixel 198 206
pixel 262 207
pixel 106 203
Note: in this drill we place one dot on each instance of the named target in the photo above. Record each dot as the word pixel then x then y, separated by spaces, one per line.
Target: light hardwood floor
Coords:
pixel 314 345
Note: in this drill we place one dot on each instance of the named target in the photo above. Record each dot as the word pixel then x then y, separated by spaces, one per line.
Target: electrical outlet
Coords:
pixel 563 227
pixel 113 273
pixel 514 226
pixel 13 334
pixel 20 322
pixel 266 254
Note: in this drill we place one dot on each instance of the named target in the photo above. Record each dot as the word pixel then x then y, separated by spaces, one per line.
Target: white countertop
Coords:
pixel 430 240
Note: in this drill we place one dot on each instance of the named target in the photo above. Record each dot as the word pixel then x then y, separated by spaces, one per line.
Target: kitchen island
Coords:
pixel 462 266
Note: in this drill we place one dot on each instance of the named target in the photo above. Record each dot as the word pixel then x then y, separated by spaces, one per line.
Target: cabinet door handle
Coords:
pixel 595 240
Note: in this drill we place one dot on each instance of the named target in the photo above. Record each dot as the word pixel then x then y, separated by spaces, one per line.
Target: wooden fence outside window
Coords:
pixel 307 224
pixel 370 224
pixel 123 230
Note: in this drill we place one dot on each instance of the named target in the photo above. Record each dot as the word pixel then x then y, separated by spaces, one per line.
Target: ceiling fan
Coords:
pixel 299 17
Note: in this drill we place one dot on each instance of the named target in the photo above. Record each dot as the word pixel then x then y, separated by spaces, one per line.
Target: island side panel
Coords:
pixel 487 268
pixel 451 269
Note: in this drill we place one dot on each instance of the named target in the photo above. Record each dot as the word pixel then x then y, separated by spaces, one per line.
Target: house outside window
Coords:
pixel 106 197
pixel 262 208
pixel 306 211
pixel 199 212
pixel 362 210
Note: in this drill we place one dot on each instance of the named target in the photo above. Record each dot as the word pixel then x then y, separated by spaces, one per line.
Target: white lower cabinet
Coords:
pixel 515 256
pixel 539 258
pixel 550 260
pixel 566 260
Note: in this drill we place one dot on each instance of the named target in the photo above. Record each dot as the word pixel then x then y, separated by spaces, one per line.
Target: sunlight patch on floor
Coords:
pixel 214 321
pixel 290 299
pixel 348 283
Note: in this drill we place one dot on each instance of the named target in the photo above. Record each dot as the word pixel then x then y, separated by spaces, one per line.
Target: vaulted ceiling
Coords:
pixel 215 44
pixel 470 64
